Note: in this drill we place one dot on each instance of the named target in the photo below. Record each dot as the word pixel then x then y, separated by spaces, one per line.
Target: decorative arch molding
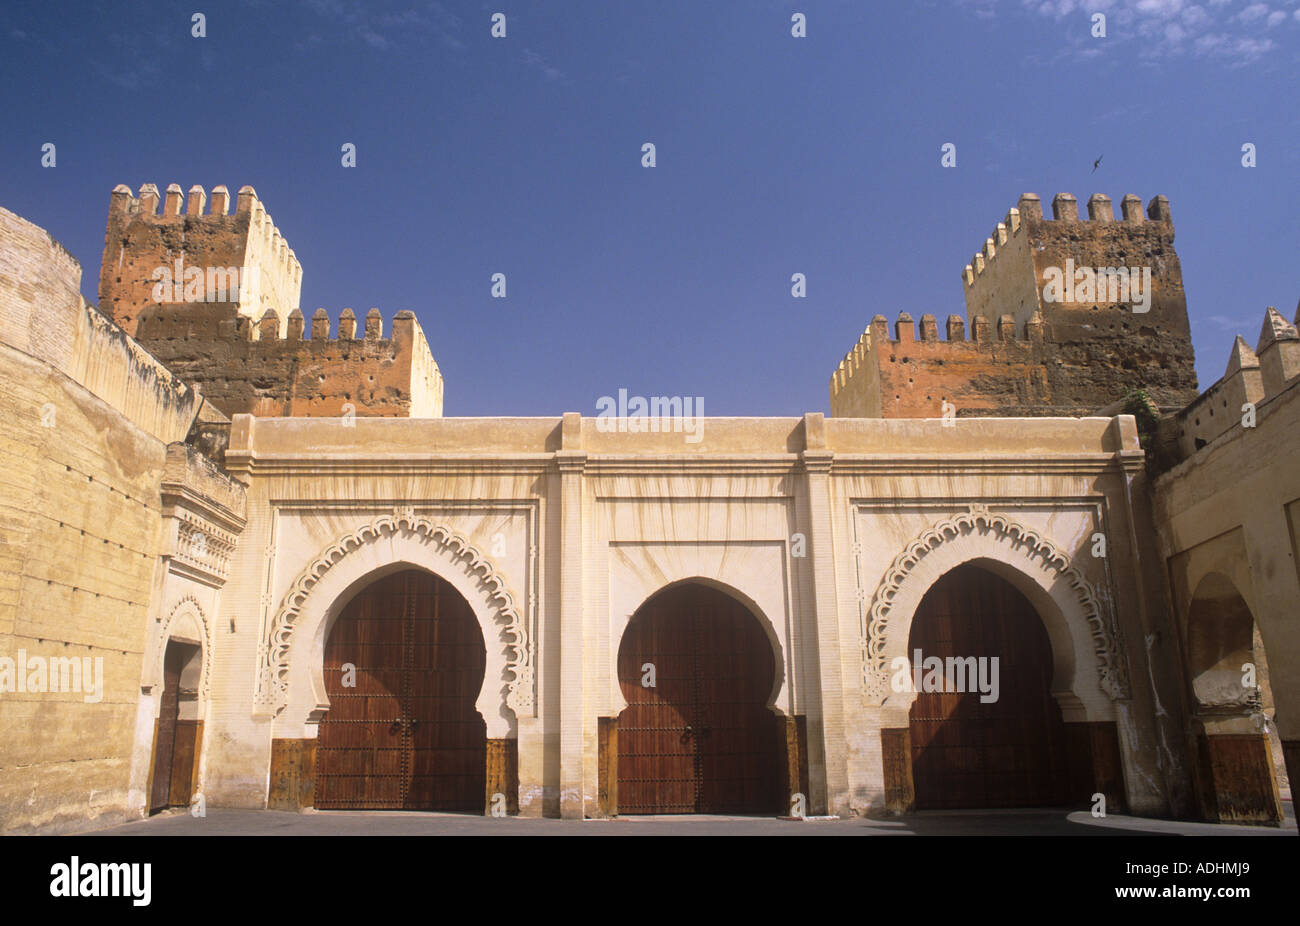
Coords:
pixel 1042 561
pixel 187 604
pixel 273 676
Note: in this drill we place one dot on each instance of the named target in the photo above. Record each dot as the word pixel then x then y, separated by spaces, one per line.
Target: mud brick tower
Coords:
pixel 215 297
pixel 1027 355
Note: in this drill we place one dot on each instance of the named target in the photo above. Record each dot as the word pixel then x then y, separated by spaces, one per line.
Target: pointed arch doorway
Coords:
pixel 403 666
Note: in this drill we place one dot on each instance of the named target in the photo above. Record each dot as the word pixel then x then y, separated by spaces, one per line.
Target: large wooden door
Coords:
pixel 1008 753
pixel 701 739
pixel 407 734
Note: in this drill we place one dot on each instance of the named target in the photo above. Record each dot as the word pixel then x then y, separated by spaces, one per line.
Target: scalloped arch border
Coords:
pixel 1111 674
pixel 165 628
pixel 273 679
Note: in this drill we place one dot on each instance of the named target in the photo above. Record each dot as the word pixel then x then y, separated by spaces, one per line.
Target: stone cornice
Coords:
pixel 179 496
pixel 571 461
pixel 817 461
pixel 696 464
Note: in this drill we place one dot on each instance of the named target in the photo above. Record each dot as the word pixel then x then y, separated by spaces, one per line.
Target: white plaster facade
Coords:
pixel 556 531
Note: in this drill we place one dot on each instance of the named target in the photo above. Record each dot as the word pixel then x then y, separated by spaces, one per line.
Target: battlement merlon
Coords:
pixel 1027 219
pixel 143 249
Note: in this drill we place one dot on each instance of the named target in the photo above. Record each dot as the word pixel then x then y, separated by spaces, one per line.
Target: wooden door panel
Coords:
pixel 449 739
pixel 656 764
pixel 702 740
pixel 358 755
pixel 408 735
pixel 165 738
pixel 965 753
pixel 736 670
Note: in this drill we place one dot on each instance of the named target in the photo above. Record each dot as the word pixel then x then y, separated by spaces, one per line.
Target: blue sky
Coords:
pixel 776 155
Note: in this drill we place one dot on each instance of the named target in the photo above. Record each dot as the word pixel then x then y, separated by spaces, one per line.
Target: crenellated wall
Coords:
pixel 215 297
pixel 272 369
pixel 240 258
pixel 999 371
pixel 1253 377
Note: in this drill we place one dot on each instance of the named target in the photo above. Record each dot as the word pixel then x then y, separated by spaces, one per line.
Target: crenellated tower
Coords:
pixel 188 255
pixel 1074 313
pixel 214 297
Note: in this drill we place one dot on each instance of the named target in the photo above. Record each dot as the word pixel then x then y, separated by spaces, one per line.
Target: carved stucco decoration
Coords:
pixel 1032 548
pixel 186 604
pixel 273 677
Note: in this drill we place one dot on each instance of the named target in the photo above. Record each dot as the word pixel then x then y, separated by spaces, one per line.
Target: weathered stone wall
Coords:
pixel 85 418
pixel 43 316
pixel 139 242
pixel 242 368
pixel 40 291
pixel 1227 516
pixel 1105 347
pixel 80 520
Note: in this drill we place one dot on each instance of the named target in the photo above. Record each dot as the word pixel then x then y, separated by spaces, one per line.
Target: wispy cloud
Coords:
pixel 1237 323
pixel 533 59
pixel 124 66
pixel 383 26
pixel 1236 32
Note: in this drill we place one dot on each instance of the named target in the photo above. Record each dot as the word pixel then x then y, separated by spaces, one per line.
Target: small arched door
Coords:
pixel 179 731
pixel 969 752
pixel 404 664
pixel 696 670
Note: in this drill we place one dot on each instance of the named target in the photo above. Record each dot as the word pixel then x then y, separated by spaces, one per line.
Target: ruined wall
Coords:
pixel 246 368
pixel 139 244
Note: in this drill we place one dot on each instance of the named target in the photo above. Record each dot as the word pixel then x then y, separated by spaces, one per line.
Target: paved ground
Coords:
pixel 221 822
